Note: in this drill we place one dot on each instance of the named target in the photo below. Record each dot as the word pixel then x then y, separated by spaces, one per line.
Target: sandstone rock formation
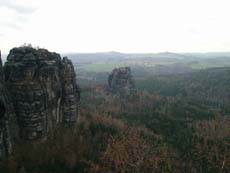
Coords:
pixel 38 89
pixel 5 115
pixel 121 81
pixel 70 92
pixel 44 90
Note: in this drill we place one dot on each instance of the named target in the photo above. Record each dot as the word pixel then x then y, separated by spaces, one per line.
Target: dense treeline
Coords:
pixel 180 128
pixel 208 88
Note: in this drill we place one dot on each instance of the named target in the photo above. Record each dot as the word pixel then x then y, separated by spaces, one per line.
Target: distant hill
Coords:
pixel 103 56
pixel 209 54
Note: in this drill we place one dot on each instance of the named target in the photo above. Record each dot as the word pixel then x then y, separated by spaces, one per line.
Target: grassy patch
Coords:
pixel 103 67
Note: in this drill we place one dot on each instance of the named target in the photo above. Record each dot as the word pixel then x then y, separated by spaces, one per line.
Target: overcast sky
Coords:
pixel 116 25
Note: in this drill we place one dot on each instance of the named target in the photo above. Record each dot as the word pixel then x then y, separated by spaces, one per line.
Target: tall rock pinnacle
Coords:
pixel 121 81
pixel 43 90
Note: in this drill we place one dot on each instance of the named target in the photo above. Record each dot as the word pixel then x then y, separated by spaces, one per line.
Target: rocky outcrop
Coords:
pixel 6 114
pixel 43 89
pixel 121 81
pixel 70 92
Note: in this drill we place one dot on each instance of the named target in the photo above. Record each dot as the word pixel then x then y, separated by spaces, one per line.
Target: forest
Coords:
pixel 172 123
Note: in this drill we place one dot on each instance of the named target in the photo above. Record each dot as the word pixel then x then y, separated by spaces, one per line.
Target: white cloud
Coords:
pixel 120 25
pixel 19 6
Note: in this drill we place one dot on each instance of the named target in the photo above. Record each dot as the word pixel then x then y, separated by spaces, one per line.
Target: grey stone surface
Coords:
pixel 121 81
pixel 38 92
pixel 6 115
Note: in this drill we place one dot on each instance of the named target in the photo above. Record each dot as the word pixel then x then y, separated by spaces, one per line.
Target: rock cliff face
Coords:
pixel 42 91
pixel 70 92
pixel 121 81
pixel 5 115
